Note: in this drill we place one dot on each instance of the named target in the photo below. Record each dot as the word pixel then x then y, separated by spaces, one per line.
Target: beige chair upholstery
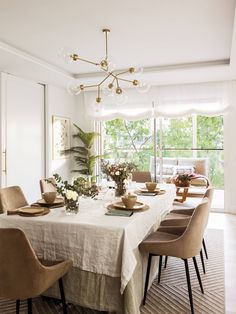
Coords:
pixel 181 216
pixel 184 244
pixel 11 198
pixel 141 176
pixel 22 275
pixel 46 186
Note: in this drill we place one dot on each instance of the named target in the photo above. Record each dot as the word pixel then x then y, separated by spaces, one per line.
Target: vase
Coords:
pixel 72 207
pixel 120 189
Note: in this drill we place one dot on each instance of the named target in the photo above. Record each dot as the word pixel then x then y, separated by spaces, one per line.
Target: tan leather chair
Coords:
pixel 141 176
pixel 46 186
pixel 180 244
pixel 22 275
pixel 11 198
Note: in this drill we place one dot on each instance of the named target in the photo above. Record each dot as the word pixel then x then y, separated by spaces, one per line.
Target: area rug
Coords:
pixel 171 295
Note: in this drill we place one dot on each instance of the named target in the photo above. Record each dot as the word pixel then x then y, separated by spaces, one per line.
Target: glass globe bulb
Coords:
pixel 65 53
pixel 143 87
pixel 136 70
pixel 121 99
pixel 107 91
pixel 74 88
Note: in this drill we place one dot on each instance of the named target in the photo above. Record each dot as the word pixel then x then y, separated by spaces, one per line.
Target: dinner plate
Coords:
pixel 57 201
pixel 137 205
pixel 32 211
pixel 144 190
pixel 122 207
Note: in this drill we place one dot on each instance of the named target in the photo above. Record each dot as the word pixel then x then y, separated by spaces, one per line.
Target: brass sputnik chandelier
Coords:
pixel 111 84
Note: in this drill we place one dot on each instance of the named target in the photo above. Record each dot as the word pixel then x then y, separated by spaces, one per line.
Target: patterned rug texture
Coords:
pixel 170 296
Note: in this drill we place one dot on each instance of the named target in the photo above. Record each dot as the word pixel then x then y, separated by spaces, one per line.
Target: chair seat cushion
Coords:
pixel 154 238
pixel 175 216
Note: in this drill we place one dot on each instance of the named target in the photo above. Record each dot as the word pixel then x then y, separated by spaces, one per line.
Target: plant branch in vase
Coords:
pixel 119 173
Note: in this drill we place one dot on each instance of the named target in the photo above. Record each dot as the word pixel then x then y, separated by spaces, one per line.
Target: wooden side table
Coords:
pixel 183 195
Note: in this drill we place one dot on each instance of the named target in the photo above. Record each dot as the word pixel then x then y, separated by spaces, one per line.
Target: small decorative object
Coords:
pixel 49 197
pixel 61 136
pixel 182 180
pixel 71 202
pixel 118 173
pixel 129 200
pixel 151 186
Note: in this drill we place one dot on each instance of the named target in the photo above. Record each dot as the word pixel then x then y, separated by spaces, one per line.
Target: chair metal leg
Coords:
pixel 166 259
pixel 147 277
pixel 202 260
pixel 159 270
pixel 63 299
pixel 29 301
pixel 189 285
pixel 17 306
pixel 198 274
pixel 204 247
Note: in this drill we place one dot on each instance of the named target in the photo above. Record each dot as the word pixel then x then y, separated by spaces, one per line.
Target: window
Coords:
pixel 191 137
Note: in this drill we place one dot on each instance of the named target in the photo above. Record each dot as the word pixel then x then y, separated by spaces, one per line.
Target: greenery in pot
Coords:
pixel 83 155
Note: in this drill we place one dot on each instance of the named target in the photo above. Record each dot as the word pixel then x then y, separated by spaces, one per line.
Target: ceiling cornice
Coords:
pixel 30 58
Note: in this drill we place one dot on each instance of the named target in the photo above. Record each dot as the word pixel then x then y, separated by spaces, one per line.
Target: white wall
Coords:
pixel 59 103
pixel 230 159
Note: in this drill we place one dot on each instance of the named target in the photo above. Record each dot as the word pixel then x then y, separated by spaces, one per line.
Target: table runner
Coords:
pixel 95 242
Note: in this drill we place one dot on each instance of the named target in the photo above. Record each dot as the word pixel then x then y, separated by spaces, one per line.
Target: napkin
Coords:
pixel 118 212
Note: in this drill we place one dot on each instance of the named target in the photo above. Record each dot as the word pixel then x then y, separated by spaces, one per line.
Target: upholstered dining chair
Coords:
pixel 141 176
pixel 22 275
pixel 11 198
pixel 181 217
pixel 182 245
pixel 47 185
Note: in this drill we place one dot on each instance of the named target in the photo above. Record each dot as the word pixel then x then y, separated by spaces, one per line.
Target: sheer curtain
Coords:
pixel 164 101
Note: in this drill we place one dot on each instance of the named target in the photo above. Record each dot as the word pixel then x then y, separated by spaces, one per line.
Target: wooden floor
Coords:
pixel 227 223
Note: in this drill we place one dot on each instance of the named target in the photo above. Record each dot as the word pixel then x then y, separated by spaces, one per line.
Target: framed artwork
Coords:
pixel 60 136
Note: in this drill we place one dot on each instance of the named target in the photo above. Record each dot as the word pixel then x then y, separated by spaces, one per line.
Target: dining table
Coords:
pixel 109 270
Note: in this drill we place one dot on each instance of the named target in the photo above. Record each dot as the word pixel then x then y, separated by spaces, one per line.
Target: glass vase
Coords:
pixel 72 207
pixel 120 189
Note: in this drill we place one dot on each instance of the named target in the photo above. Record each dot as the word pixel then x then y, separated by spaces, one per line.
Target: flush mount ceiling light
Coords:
pixel 110 85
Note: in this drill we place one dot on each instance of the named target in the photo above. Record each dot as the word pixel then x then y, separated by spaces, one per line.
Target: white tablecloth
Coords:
pixel 94 241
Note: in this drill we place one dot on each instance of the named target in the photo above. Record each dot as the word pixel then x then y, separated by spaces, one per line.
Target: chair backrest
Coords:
pixel 19 266
pixel 191 240
pixel 47 185
pixel 141 176
pixel 11 198
pixel 209 194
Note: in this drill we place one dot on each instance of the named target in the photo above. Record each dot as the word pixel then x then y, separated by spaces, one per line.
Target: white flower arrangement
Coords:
pixel 71 195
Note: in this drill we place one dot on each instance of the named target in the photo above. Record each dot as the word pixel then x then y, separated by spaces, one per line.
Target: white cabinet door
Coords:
pixel 23 133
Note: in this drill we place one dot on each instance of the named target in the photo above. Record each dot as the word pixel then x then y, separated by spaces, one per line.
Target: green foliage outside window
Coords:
pixel 133 141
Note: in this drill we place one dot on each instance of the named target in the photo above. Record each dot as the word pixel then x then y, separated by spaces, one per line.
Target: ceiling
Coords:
pixel 175 40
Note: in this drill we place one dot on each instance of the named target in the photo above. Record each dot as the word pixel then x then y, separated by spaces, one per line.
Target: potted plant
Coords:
pixel 182 180
pixel 83 155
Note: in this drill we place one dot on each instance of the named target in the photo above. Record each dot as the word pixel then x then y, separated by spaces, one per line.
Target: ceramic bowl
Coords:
pixel 151 186
pixel 130 201
pixel 49 197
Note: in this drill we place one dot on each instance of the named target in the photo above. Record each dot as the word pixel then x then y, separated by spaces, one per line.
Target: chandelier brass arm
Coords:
pixel 113 86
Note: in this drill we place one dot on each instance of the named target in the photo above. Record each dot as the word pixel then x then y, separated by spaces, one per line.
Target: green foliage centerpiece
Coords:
pixel 71 192
pixel 119 173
